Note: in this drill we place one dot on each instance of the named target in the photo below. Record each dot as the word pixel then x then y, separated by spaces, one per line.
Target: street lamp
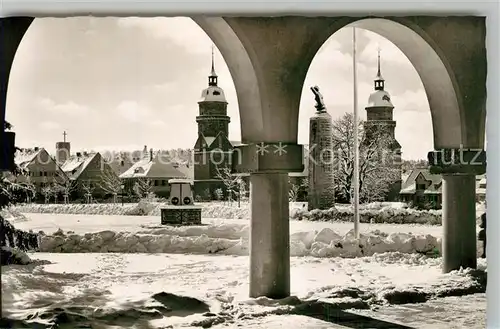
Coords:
pixel 123 188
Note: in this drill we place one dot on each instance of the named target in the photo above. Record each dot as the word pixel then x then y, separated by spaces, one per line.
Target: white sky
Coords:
pixel 122 83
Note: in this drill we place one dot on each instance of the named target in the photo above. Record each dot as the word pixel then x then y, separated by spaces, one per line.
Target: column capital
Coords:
pixel 457 161
pixel 268 157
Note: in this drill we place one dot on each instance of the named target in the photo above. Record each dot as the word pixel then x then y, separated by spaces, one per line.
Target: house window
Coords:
pixel 420 186
pixel 156 183
pixel 122 163
pixel 163 182
pixel 45 173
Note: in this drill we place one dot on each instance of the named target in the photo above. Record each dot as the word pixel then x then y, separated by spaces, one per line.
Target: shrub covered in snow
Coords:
pixel 389 215
pixel 14 256
pixel 372 213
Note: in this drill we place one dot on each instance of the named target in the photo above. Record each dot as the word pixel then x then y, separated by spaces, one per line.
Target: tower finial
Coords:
pixel 212 79
pixel 378 63
pixel 379 80
pixel 64 136
pixel 213 66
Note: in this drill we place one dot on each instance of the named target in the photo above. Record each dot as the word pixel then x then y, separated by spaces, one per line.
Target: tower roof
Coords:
pixel 380 98
pixel 213 93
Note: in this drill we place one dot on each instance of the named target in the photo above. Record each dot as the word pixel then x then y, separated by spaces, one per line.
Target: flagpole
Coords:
pixel 356 134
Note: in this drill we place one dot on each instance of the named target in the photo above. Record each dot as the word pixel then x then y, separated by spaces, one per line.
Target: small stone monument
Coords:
pixel 321 194
pixel 181 209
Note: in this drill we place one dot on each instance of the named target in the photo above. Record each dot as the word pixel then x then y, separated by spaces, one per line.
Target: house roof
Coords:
pixel 26 156
pixel 409 185
pixel 156 169
pixel 75 165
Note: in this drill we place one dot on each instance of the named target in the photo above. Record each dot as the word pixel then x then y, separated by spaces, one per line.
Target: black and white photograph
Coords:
pixel 244 172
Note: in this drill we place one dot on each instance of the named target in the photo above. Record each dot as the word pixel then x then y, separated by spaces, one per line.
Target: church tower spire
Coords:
pixel 379 80
pixel 212 78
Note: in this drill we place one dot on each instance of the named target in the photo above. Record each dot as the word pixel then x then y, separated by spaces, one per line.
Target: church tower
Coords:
pixel 380 125
pixel 212 151
pixel 63 150
pixel 212 118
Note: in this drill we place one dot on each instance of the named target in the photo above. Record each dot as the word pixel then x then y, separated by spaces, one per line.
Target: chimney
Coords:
pixel 85 153
pixel 78 154
pixel 150 154
pixel 36 148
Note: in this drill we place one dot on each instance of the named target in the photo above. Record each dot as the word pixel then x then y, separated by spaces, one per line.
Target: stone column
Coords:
pixel 459 222
pixel 459 168
pixel 269 165
pixel 269 235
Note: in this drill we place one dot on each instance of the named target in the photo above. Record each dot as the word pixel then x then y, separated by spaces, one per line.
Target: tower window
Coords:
pixel 216 92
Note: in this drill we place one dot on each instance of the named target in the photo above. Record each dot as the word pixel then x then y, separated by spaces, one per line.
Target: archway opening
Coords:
pixel 417 81
pixel 117 85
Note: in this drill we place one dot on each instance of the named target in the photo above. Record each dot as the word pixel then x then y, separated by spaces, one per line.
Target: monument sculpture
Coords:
pixel 321 194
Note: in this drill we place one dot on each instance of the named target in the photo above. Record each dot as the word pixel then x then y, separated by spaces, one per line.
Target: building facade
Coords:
pixel 40 171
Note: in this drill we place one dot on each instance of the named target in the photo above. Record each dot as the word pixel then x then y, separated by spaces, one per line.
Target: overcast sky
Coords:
pixel 122 83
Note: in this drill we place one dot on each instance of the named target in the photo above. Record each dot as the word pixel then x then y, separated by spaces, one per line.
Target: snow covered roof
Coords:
pixel 409 185
pixel 213 94
pixel 236 143
pixel 24 157
pixel 156 169
pixel 76 164
pixel 380 98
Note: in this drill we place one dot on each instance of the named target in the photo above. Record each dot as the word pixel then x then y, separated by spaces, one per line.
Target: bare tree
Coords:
pixel 88 190
pixel 64 185
pixel 48 191
pixel 376 160
pixel 142 187
pixel 230 181
pixel 295 189
pixel 29 188
pixel 219 194
pixel 110 183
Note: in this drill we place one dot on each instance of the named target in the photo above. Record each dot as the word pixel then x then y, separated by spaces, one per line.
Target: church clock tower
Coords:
pixel 212 151
pixel 380 125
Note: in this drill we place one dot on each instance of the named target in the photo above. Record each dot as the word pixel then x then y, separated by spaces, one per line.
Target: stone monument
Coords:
pixel 321 193
pixel 181 209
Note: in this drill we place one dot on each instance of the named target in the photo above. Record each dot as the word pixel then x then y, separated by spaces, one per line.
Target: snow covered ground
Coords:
pixel 182 286
pixel 101 288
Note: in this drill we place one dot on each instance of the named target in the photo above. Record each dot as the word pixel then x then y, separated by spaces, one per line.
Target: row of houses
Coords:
pixel 92 175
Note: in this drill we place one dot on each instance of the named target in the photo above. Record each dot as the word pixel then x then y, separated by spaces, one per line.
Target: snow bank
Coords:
pixel 233 240
pixel 381 212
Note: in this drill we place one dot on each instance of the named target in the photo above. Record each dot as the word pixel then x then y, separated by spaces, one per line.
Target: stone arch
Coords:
pixel 242 72
pixel 441 87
